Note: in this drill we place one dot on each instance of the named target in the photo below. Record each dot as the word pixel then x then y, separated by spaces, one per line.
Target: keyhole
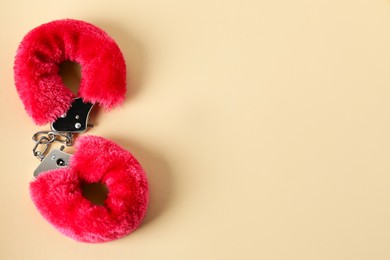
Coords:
pixel 95 192
pixel 70 73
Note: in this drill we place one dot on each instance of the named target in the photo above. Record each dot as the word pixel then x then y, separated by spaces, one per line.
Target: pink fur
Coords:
pixel 58 197
pixel 44 48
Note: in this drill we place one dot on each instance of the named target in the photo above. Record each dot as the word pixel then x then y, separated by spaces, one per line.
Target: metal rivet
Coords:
pixel 63 115
pixel 60 162
pixel 77 116
pixel 77 125
pixel 53 157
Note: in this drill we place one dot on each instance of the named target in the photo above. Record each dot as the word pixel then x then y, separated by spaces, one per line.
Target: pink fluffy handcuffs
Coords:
pixel 56 191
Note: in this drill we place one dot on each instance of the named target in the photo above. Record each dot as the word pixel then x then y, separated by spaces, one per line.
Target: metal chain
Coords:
pixel 44 139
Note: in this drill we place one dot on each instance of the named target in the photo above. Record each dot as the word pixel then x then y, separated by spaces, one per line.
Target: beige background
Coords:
pixel 264 127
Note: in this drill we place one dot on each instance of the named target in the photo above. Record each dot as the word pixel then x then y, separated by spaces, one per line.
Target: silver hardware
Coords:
pixel 43 140
pixel 61 159
pixel 52 136
pixel 75 120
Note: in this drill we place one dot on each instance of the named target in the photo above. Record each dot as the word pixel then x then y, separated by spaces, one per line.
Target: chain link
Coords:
pixel 44 139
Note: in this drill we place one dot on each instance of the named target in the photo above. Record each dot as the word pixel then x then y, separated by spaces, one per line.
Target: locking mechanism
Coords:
pixel 62 131
pixel 75 120
pixel 54 160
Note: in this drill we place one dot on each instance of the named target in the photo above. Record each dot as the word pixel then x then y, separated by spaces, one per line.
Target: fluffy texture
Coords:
pixel 44 48
pixel 58 196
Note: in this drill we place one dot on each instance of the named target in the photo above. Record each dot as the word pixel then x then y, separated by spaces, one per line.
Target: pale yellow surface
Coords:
pixel 264 127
